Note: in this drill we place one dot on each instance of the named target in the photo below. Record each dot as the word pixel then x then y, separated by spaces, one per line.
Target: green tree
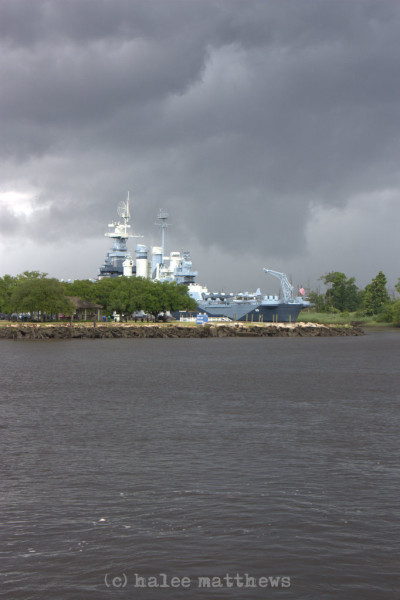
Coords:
pixel 165 296
pixel 104 289
pixel 152 301
pixel 124 297
pixel 396 313
pixel 31 275
pixel 375 296
pixel 317 301
pixel 177 298
pixel 343 294
pixel 83 288
pixel 40 294
pixel 127 295
pixel 7 285
pixel 32 291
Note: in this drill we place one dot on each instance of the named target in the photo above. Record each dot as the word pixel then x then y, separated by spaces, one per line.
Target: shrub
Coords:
pixel 396 313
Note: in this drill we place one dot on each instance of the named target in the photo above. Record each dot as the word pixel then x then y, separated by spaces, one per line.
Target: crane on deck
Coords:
pixel 287 288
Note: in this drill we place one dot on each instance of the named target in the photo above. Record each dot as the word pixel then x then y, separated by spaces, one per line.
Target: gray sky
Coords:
pixel 268 130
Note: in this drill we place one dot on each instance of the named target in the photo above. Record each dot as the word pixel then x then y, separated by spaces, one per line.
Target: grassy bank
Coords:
pixel 340 319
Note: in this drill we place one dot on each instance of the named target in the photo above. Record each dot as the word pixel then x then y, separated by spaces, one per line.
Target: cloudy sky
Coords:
pixel 269 131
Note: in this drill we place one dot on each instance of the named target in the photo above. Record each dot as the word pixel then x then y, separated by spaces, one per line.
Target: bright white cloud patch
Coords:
pixel 19 204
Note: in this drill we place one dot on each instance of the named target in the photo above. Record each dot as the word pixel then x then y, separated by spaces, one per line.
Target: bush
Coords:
pixel 333 311
pixel 396 313
pixel 385 316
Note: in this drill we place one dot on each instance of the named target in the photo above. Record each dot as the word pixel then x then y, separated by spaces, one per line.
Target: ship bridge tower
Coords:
pixel 118 254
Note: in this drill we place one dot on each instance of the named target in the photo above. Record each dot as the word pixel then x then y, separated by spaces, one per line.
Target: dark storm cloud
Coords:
pixel 239 117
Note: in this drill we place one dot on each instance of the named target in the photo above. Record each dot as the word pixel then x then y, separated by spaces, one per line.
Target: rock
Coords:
pixel 49 331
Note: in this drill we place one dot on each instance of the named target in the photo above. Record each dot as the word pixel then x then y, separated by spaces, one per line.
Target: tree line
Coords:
pixel 342 295
pixel 34 293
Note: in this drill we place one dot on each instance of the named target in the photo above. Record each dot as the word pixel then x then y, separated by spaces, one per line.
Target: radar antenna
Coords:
pixel 121 229
pixel 123 209
pixel 287 288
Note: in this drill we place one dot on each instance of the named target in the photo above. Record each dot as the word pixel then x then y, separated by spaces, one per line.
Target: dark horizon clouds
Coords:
pixel 268 130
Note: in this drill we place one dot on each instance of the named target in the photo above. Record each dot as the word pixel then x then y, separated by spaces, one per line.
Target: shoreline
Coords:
pixel 51 331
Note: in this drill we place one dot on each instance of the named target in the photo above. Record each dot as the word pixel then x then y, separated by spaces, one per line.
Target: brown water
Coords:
pixel 123 460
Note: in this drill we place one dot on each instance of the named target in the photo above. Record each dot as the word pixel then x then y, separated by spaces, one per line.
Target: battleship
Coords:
pixel 154 264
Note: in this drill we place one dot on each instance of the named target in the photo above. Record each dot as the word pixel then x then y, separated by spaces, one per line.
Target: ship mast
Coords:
pixel 121 229
pixel 114 263
pixel 162 222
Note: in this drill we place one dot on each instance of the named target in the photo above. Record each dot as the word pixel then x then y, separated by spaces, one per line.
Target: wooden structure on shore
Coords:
pixel 85 310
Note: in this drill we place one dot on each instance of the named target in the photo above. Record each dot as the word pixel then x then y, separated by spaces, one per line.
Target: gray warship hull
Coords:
pixel 254 307
pixel 256 313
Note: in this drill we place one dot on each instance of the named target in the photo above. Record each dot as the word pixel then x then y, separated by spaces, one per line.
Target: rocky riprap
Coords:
pixel 88 331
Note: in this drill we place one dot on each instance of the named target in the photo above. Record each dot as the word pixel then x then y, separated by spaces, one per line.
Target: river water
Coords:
pixel 201 468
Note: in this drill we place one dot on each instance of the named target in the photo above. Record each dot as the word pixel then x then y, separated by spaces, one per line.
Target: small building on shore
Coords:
pixel 85 310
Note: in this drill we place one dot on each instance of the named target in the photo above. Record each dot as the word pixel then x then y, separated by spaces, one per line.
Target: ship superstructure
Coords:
pixel 118 257
pixel 175 267
pixel 153 263
pixel 150 263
